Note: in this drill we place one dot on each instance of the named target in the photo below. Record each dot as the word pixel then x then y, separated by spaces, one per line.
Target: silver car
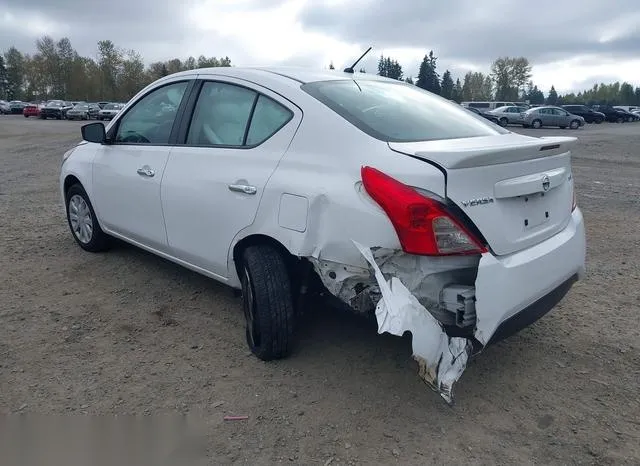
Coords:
pixel 509 115
pixel 109 111
pixel 551 116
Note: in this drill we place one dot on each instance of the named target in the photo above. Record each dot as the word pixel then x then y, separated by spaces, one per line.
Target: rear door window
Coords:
pixel 221 115
pixel 268 117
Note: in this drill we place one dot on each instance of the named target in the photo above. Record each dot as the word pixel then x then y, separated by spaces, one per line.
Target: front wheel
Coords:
pixel 536 124
pixel 26 116
pixel 503 122
pixel 83 222
pixel 619 120
pixel 575 124
pixel 597 121
pixel 267 300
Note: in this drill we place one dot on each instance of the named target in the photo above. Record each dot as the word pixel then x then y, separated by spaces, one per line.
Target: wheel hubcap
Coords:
pixel 80 219
pixel 253 336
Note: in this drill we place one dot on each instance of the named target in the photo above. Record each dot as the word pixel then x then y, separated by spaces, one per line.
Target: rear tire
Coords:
pixel 619 120
pixel 26 116
pixel 536 124
pixel 267 300
pixel 83 222
pixel 597 121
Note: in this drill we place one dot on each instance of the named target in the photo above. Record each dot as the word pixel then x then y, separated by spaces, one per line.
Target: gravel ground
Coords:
pixel 126 332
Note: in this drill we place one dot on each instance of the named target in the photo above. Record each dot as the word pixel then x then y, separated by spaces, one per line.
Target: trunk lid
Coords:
pixel 517 190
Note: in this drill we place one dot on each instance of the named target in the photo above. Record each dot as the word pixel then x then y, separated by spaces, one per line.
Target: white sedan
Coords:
pixel 394 200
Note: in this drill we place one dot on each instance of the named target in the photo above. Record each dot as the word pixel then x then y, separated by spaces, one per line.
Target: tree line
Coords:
pixel 57 71
pixel 509 80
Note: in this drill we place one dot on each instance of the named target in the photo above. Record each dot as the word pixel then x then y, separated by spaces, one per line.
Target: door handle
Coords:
pixel 146 171
pixel 243 188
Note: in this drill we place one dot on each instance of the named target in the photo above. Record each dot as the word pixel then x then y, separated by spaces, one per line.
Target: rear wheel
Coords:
pixel 267 300
pixel 537 124
pixel 619 120
pixel 83 222
pixel 26 116
pixel 575 124
pixel 597 121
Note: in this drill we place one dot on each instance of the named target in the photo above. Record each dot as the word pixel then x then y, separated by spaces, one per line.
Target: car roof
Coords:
pixel 296 74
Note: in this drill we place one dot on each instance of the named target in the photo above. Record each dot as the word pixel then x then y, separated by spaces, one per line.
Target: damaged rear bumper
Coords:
pixel 511 292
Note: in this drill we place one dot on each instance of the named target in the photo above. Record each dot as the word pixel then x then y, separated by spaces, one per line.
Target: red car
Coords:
pixel 31 110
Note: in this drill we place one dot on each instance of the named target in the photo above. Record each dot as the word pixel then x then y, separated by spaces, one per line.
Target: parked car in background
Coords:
pixel 589 114
pixel 55 109
pixel 225 171
pixel 83 112
pixel 630 116
pixel 31 110
pixel 5 108
pixel 509 115
pixel 109 111
pixel 102 104
pixel 551 116
pixel 486 115
pixel 614 115
pixel 17 106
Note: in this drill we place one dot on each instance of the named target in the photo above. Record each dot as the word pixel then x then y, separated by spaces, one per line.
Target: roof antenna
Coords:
pixel 350 69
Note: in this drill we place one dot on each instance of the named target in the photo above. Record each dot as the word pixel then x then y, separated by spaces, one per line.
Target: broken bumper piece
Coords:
pixel 441 359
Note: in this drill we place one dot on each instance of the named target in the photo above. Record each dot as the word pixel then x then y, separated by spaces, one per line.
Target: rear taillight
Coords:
pixel 424 225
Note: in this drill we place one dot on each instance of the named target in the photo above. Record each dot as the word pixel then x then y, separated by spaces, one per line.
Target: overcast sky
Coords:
pixel 571 44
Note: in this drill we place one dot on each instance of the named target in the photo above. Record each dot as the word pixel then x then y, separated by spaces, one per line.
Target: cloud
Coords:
pixel 567 42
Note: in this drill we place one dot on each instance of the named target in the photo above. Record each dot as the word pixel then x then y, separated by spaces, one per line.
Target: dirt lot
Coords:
pixel 126 332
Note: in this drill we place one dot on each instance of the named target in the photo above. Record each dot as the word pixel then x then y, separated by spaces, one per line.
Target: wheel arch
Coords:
pixel 69 181
pixel 292 260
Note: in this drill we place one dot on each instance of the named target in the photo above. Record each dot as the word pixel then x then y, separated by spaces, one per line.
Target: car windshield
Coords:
pixel 81 107
pixel 398 112
pixel 112 107
pixel 54 104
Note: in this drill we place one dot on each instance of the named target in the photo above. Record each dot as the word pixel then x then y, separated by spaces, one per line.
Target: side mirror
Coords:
pixel 94 132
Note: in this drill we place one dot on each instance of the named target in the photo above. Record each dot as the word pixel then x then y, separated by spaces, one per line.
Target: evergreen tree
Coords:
pixel 428 78
pixel 457 91
pixel 331 67
pixel 389 68
pixel 535 95
pixel 552 98
pixel 409 80
pixel 362 70
pixel 447 85
pixel 3 79
pixel 382 66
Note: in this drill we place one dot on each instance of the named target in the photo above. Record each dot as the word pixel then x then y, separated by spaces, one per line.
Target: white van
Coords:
pixel 488 105
pixel 628 108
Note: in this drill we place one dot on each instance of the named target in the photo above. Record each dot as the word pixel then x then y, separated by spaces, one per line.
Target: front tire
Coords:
pixel 267 300
pixel 575 124
pixel 82 221
pixel 536 124
pixel 503 122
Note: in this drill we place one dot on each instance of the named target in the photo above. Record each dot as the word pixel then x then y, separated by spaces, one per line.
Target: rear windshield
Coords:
pixel 398 112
